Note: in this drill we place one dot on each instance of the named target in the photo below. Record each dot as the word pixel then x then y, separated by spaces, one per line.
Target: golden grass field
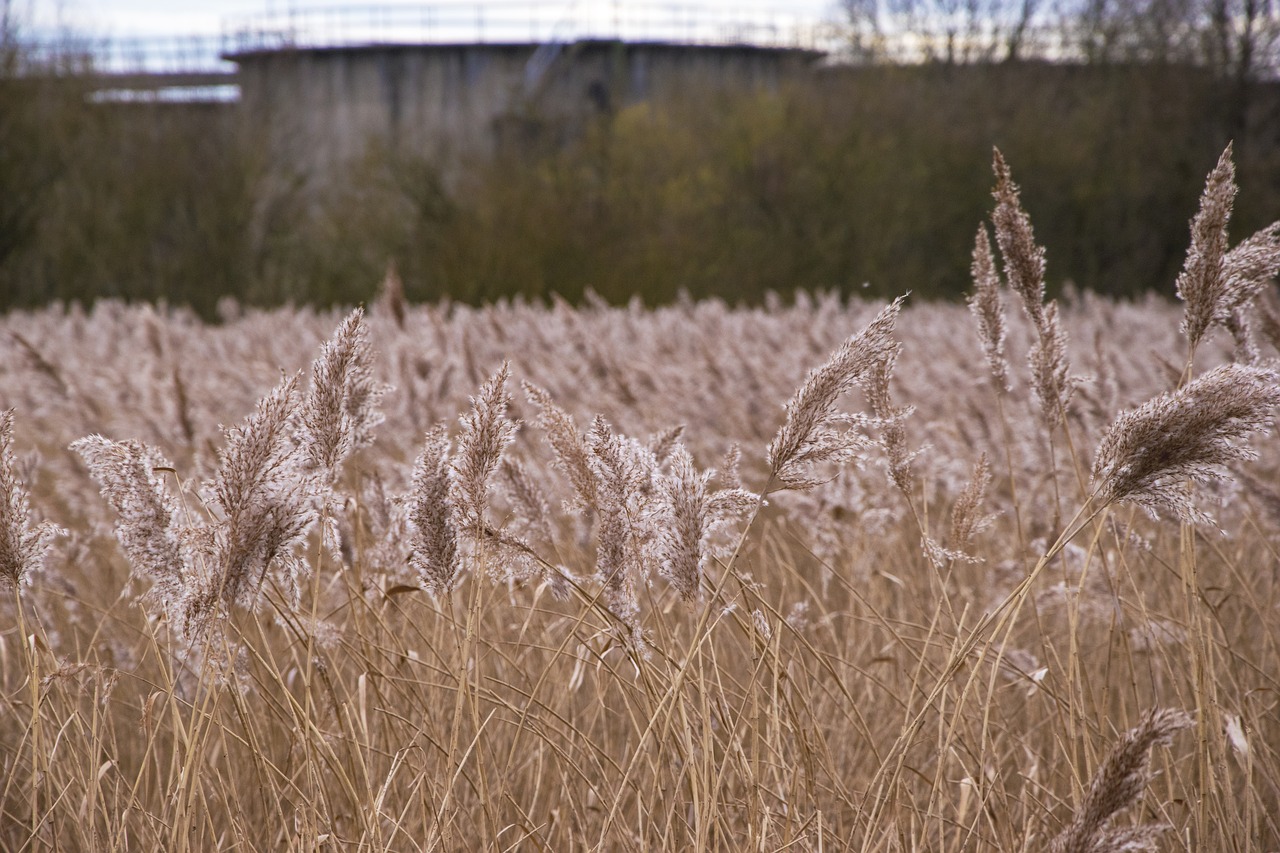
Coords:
pixel 459 583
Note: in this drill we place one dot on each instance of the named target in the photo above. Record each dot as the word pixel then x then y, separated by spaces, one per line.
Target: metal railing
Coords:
pixel 131 55
pixel 500 21
pixel 444 22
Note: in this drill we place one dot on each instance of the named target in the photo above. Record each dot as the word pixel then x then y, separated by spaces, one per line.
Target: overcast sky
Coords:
pixel 122 18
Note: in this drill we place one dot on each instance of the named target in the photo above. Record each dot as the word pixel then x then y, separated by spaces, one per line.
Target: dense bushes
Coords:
pixel 857 178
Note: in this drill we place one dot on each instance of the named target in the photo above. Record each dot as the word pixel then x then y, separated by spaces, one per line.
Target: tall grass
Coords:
pixel 528 577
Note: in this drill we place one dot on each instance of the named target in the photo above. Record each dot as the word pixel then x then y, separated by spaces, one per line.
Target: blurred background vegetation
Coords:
pixel 867 177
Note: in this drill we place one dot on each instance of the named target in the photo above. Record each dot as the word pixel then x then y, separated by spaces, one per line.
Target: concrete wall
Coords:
pixel 323 107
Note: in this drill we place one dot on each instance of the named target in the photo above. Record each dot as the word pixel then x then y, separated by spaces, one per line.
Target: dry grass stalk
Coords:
pixel 1117 785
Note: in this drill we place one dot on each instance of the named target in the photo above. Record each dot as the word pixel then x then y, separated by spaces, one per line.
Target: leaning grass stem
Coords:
pixel 998 620
pixel 1009 470
pixel 31 661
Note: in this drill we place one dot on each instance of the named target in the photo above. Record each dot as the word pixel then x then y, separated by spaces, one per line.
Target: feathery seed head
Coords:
pixel 1023 260
pixel 1116 786
pixel 434 554
pixel 693 515
pixel 1148 453
pixel 339 413
pixel 624 472
pixel 264 503
pixel 988 309
pixel 808 436
pixel 1050 383
pixel 967 518
pixel 571 452
pixel 22 547
pixel 1248 269
pixel 486 433
pixel 1202 282
pixel 893 433
pixel 126 475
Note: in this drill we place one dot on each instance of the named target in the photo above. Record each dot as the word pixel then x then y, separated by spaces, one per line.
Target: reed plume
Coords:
pixel 1247 270
pixel 1024 267
pixel 1149 453
pixel 694 514
pixel 22 547
pixel 893 432
pixel 1024 262
pixel 146 512
pixel 567 444
pixel 1201 283
pixel 967 517
pixel 261 502
pixel 339 413
pixel 434 543
pixel 988 309
pixel 391 296
pixel 486 433
pixel 813 434
pixel 1116 786
pixel 624 472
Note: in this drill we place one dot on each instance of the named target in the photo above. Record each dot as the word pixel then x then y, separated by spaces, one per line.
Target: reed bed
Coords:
pixel 822 575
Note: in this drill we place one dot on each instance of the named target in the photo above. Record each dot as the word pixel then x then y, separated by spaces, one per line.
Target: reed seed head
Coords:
pixel 1201 284
pixel 1149 453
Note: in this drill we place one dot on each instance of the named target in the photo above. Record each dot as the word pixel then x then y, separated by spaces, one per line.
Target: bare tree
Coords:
pixel 948 31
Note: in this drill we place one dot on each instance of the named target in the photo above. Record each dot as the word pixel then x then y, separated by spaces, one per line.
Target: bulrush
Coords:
pixel 22 547
pixel 811 434
pixel 1149 453
pixel 1117 785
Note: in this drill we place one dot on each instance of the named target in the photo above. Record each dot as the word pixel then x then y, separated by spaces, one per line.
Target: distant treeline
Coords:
pixel 870 179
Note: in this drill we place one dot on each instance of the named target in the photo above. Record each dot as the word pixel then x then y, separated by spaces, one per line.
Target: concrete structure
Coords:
pixel 324 106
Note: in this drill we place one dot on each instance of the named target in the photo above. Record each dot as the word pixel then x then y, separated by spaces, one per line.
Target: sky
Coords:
pixel 127 18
